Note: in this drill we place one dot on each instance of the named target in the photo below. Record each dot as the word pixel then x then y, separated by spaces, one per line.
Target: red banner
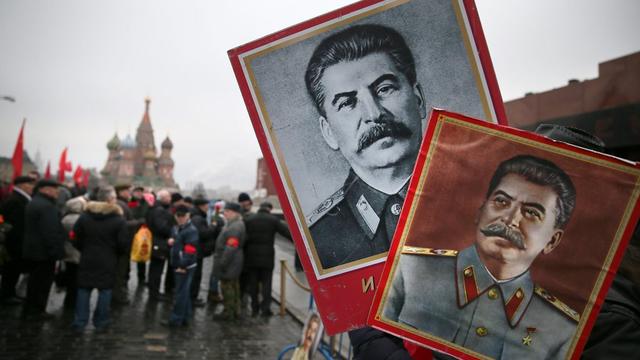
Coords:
pixel 63 165
pixel 78 175
pixel 47 172
pixel 18 153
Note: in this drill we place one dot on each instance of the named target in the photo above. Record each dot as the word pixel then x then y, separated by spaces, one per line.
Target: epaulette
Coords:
pixel 325 206
pixel 428 251
pixel 564 308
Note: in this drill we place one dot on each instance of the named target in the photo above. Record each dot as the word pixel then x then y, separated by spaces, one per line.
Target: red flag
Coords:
pixel 18 153
pixel 85 179
pixel 63 165
pixel 77 175
pixel 47 172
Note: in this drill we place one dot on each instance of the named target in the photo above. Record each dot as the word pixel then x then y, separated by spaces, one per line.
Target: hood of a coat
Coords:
pixel 103 208
pixel 75 205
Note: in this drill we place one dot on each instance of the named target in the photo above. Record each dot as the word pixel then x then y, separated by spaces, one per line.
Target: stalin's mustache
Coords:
pixel 505 232
pixel 381 130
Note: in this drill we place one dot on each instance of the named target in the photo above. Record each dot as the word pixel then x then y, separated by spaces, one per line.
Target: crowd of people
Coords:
pixel 82 240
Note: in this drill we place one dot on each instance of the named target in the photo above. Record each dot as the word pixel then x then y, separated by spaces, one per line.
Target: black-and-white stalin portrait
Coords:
pixel 371 109
pixel 344 107
pixel 483 297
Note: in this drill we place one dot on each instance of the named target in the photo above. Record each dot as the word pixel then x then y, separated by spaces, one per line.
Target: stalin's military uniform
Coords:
pixel 452 296
pixel 354 223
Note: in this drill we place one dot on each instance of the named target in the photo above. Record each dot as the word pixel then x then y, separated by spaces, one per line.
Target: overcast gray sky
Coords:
pixel 80 69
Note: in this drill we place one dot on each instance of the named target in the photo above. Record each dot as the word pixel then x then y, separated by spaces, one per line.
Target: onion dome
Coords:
pixel 128 143
pixel 167 144
pixel 114 143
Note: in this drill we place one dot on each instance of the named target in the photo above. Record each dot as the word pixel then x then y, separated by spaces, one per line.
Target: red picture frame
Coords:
pixel 571 281
pixel 270 74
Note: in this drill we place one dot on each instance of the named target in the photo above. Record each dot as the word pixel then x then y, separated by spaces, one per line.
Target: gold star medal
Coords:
pixel 526 340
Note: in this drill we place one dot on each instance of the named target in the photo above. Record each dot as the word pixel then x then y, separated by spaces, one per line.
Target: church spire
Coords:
pixel 146 149
pixel 144 135
pixel 145 117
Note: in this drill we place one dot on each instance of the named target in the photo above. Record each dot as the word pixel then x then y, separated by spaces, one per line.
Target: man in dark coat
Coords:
pixel 120 290
pixel 229 259
pixel 259 255
pixel 207 237
pixel 160 222
pixel 246 205
pixel 218 222
pixel 43 245
pixel 13 211
pixel 184 260
pixel 101 236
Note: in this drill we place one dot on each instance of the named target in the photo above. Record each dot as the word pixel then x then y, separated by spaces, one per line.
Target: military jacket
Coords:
pixel 452 296
pixel 354 223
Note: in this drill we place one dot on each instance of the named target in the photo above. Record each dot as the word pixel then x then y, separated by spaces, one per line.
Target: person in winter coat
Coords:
pixel 100 235
pixel 72 211
pixel 160 222
pixel 120 290
pixel 246 204
pixel 228 260
pixel 13 210
pixel 43 246
pixel 184 261
pixel 139 208
pixel 217 222
pixel 262 228
pixel 207 235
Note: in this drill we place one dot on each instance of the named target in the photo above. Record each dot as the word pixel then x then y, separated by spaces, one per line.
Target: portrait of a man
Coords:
pixel 339 105
pixel 342 107
pixel 483 297
pixel 371 109
pixel 311 335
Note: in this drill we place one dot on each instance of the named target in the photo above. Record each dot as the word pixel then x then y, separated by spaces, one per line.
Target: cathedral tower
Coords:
pixel 136 161
pixel 145 157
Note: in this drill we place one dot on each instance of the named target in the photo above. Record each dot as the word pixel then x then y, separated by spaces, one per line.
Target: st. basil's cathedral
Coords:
pixel 136 161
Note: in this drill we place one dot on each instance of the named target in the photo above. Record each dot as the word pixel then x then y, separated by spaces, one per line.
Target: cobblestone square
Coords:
pixel 136 333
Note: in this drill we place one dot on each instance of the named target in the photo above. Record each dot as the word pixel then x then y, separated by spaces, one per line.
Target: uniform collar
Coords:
pixel 473 281
pixel 368 204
